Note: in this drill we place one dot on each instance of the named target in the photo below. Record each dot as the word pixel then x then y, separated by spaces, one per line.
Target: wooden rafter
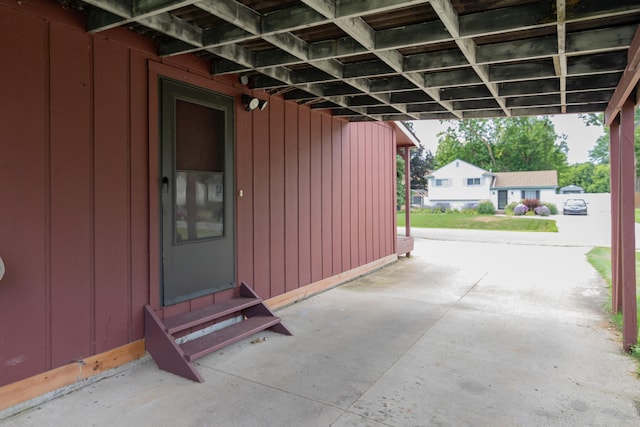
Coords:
pixel 407 58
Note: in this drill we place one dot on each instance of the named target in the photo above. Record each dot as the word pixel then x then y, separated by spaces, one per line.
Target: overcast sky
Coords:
pixel 580 138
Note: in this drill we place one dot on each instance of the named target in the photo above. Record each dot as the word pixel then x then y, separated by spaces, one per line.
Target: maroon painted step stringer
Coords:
pixel 177 359
pixel 261 309
pixel 164 350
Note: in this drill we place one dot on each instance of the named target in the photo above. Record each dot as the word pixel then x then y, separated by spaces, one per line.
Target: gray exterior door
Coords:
pixel 198 236
pixel 502 199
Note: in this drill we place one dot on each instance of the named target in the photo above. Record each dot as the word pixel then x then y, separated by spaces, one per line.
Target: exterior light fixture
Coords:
pixel 251 103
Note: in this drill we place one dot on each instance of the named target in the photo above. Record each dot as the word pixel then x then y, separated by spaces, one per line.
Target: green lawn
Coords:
pixel 600 259
pixel 477 222
pixel 637 215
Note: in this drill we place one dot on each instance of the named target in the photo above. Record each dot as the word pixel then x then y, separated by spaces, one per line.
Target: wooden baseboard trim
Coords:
pixel 46 382
pixel 328 283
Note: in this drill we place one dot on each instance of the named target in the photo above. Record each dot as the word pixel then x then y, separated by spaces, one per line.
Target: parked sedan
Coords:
pixel 574 207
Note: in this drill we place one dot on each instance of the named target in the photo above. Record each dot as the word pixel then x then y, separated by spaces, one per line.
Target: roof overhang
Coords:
pixel 402 59
pixel 404 136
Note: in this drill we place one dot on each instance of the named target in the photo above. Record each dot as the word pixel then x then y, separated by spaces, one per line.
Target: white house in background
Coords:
pixel 514 186
pixel 460 184
pixel 419 198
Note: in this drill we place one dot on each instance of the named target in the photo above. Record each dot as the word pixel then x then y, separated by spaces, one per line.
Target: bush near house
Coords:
pixel 542 211
pixel 485 207
pixel 553 209
pixel 510 209
pixel 520 209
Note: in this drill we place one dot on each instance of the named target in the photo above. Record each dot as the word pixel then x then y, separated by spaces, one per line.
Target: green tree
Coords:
pixel 421 163
pixel 599 154
pixel 594 178
pixel 469 140
pixel 530 143
pixel 509 144
pixel 600 180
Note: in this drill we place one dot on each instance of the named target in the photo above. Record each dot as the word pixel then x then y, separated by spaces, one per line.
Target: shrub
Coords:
pixel 553 209
pixel 508 210
pixel 438 209
pixel 520 209
pixel 531 204
pixel 542 211
pixel 485 207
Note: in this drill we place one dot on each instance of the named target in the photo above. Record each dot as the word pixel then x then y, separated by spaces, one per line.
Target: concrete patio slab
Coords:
pixel 462 333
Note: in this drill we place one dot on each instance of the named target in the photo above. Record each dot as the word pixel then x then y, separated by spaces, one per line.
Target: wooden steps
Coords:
pixel 178 358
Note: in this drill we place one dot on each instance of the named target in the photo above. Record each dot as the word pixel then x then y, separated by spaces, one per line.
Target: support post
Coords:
pixel 614 150
pixel 407 190
pixel 627 226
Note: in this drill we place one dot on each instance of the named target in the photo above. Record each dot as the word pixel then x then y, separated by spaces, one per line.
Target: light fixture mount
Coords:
pixel 251 103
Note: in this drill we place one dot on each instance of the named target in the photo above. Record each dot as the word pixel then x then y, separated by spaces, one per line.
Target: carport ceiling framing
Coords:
pixel 399 59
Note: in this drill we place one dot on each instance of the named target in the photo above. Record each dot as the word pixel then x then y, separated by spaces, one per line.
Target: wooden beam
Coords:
pixel 445 59
pixel 602 39
pixel 538 47
pixel 628 82
pixel 407 191
pixel 597 81
pixel 627 227
pixel 513 72
pixel 597 63
pixel 614 156
pixel 72 373
pixel 448 15
pixel 537 100
pixel 560 60
pixel 234 13
pixel 532 15
pixel 412 35
pixel 532 87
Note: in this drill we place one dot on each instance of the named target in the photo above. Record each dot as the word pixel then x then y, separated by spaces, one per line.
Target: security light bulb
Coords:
pixel 253 104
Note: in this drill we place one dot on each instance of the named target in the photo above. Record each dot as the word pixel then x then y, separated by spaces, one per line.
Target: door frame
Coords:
pixel 193 262
pixel 506 199
pixel 155 72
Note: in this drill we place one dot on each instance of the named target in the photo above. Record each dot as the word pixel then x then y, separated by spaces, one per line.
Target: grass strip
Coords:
pixel 600 259
pixel 478 222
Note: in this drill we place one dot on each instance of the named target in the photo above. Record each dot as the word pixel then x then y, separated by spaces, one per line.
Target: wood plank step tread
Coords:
pixel 187 320
pixel 223 337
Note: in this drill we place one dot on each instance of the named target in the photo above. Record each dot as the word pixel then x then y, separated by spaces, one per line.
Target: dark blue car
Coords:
pixel 574 207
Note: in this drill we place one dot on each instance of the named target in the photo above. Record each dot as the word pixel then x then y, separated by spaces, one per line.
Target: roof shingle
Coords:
pixel 547 178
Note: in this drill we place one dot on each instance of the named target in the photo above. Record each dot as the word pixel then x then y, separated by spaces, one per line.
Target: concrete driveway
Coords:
pixel 462 333
pixel 591 230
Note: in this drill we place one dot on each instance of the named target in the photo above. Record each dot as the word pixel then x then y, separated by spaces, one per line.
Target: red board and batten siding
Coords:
pixel 79 187
pixel 308 179
pixel 74 219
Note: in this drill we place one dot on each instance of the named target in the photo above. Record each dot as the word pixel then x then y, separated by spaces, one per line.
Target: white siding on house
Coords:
pixel 459 183
pixel 514 195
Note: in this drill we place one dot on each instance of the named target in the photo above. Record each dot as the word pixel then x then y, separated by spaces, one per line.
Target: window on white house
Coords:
pixel 442 182
pixel 473 181
pixel 530 194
